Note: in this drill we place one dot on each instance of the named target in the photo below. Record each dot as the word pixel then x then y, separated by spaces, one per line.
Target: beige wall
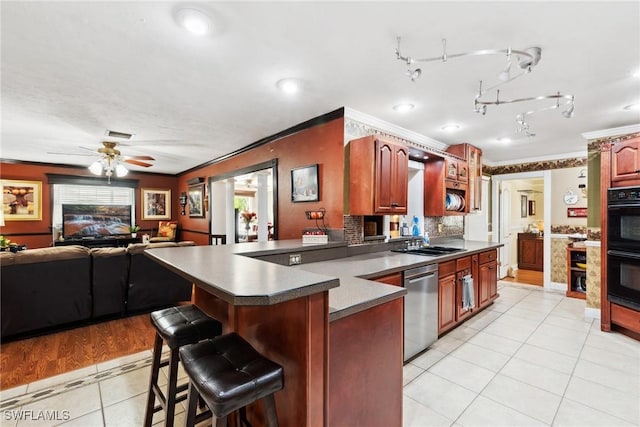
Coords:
pixel 561 181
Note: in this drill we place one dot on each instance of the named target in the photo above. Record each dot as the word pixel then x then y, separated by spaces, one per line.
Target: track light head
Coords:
pixel 568 113
pixel 415 74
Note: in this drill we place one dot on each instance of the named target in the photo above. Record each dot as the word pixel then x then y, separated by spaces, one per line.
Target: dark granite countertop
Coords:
pixel 230 273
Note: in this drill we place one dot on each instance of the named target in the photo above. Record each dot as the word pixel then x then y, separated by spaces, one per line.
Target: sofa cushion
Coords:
pixel 110 272
pixel 57 253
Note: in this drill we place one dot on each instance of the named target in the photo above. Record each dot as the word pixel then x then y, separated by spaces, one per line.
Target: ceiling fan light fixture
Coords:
pixel 121 170
pixel 96 168
pixel 194 21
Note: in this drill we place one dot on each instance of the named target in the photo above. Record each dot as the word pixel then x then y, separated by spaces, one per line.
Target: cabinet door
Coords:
pixel 446 303
pixel 391 279
pixel 625 161
pixel 463 172
pixel 452 169
pixel 530 252
pixel 475 179
pixel 488 283
pixel 392 175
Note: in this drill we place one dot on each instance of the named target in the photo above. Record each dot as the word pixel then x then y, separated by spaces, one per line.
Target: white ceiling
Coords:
pixel 71 70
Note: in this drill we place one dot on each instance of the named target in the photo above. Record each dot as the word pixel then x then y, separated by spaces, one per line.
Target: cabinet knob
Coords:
pixel 394 205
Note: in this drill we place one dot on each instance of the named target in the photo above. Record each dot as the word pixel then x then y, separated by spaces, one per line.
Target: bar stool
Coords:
pixel 229 374
pixel 177 326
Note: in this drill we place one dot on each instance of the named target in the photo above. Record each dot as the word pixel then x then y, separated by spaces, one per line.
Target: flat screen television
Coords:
pixel 95 220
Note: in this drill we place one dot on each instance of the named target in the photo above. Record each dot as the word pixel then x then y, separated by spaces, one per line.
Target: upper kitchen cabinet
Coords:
pixel 444 194
pixel 473 156
pixel 625 163
pixel 378 177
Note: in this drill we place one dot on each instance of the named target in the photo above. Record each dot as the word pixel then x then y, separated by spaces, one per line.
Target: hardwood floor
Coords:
pixel 529 277
pixel 33 359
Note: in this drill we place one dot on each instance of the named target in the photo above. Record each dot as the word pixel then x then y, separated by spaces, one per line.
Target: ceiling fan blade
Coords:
pixel 137 163
pixel 140 157
pixel 72 154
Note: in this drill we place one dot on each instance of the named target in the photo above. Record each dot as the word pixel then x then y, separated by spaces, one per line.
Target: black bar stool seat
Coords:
pixel 229 374
pixel 176 326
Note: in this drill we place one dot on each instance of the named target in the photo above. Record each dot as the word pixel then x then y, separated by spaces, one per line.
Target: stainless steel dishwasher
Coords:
pixel 420 309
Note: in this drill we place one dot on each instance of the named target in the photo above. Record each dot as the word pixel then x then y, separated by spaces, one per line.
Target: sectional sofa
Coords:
pixel 49 288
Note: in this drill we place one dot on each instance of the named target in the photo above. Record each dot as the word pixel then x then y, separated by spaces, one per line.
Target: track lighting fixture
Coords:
pixel 526 59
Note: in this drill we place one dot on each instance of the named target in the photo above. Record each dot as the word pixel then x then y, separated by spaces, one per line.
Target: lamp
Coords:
pixel 110 163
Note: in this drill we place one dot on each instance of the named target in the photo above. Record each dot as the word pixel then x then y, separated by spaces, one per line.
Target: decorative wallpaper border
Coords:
pixel 599 144
pixel 594 233
pixel 535 166
pixel 568 229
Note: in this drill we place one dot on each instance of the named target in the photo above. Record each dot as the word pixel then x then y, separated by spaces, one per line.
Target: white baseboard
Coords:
pixel 592 313
pixel 556 286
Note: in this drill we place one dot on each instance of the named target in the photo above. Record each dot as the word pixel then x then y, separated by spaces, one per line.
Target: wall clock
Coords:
pixel 570 198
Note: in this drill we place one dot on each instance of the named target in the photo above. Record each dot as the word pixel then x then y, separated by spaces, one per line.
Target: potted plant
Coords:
pixel 134 230
pixel 4 243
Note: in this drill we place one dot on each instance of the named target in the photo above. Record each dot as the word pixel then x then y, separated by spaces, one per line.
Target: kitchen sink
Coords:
pixel 430 250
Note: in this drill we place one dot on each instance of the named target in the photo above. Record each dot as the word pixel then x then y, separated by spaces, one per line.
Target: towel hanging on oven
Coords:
pixel 468 299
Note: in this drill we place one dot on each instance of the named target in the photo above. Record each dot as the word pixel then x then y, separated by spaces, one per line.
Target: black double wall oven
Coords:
pixel 623 252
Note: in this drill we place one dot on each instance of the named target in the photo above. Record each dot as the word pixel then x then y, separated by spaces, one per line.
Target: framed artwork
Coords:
pixel 304 184
pixel 576 212
pixel 156 204
pixel 523 207
pixel 532 207
pixel 195 197
pixel 21 200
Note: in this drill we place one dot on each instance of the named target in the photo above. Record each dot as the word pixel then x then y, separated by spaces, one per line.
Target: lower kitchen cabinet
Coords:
pixel 483 269
pixel 446 296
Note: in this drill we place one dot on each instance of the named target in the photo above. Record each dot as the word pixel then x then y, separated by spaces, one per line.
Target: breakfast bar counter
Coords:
pixel 286 314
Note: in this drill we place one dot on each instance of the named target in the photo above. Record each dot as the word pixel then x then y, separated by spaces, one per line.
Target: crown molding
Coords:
pixel 374 122
pixel 605 133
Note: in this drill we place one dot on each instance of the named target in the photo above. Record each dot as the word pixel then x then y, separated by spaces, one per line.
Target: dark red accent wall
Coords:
pixel 322 144
pixel 37 234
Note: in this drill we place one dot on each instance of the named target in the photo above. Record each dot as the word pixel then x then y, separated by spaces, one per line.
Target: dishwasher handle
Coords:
pixel 426 270
pixel 419 278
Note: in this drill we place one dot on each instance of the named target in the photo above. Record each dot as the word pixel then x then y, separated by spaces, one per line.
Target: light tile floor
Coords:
pixel 529 359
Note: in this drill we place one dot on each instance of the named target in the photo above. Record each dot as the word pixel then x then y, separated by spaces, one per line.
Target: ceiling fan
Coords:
pixel 111 160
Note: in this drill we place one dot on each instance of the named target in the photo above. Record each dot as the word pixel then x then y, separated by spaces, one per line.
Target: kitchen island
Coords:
pixel 338 336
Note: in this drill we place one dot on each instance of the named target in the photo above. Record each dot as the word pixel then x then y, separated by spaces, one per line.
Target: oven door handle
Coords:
pixel 617 206
pixel 624 254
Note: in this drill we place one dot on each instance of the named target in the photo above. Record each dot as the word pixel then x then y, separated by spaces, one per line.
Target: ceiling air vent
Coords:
pixel 115 134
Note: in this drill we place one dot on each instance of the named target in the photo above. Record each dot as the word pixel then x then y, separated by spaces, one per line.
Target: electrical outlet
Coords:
pixel 295 259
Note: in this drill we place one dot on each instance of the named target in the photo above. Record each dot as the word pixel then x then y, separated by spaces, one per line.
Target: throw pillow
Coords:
pixel 167 229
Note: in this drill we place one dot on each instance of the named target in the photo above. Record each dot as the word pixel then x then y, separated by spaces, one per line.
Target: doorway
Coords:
pixel 521 209
pixel 244 204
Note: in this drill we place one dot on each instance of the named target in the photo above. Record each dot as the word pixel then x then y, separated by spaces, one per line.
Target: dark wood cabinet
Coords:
pixel 473 156
pixel 391 279
pixel 446 296
pixel 378 177
pixel 625 163
pixel 463 268
pixel 487 278
pixel 438 184
pixel 530 251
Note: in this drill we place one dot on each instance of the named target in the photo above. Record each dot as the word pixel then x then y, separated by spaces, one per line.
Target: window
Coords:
pixel 89 195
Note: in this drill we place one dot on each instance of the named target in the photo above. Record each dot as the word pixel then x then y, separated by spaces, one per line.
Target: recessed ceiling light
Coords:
pixel 403 108
pixel 194 21
pixel 504 140
pixel 288 85
pixel 633 107
pixel 451 127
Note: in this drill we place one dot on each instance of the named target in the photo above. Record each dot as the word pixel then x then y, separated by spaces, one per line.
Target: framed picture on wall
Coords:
pixel 532 207
pixel 195 198
pixel 523 207
pixel 156 204
pixel 21 200
pixel 304 184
